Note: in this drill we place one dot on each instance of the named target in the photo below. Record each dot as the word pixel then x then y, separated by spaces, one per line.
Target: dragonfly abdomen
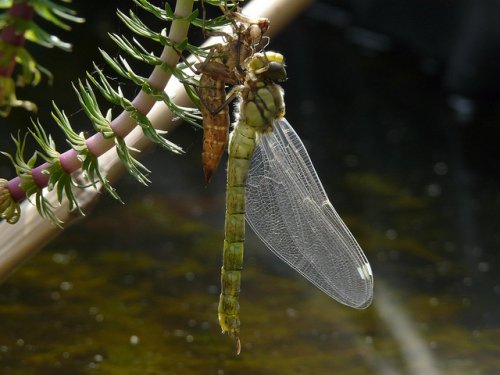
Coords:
pixel 262 103
pixel 241 148
pixel 229 307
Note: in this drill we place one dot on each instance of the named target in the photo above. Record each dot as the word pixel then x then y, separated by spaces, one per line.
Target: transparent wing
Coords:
pixel 288 209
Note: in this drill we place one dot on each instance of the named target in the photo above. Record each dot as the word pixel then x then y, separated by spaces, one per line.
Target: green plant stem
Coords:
pixel 124 123
pixel 17 247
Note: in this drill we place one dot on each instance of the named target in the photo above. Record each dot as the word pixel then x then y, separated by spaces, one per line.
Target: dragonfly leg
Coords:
pixel 235 91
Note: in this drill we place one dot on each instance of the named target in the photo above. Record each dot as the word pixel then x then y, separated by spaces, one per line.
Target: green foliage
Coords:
pixel 56 13
pixel 89 104
pixel 9 208
pixel 58 177
pixel 23 167
pixel 168 14
pixel 24 171
pixel 63 181
pixel 8 97
pixel 31 72
pixel 90 165
pixel 6 3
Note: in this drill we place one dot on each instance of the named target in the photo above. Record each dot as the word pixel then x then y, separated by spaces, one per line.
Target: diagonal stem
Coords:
pixel 124 123
pixel 21 241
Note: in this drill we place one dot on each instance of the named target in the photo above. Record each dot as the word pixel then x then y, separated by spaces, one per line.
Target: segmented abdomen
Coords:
pixel 261 105
pixel 241 148
pixel 215 124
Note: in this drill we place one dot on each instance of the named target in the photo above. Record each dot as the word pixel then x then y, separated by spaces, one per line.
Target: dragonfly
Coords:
pixel 223 66
pixel 272 183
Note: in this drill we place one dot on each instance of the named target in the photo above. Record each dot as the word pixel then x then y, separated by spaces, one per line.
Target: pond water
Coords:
pixel 134 289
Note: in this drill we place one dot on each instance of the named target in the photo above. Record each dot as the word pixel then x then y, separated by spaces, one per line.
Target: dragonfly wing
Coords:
pixel 289 210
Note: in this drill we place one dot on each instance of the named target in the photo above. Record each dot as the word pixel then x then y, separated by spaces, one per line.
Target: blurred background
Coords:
pixel 398 105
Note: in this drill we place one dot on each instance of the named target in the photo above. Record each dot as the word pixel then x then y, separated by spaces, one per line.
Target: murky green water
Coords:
pixel 134 288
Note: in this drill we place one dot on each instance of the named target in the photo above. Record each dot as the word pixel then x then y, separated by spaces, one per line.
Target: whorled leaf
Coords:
pixel 167 14
pixel 55 13
pixel 134 167
pixel 90 163
pixel 9 208
pixel 116 97
pixel 59 179
pixel 88 101
pixel 28 184
pixel 8 99
pixel 23 167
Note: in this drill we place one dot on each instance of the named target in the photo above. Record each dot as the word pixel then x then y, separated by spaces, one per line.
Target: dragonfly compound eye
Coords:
pixel 276 72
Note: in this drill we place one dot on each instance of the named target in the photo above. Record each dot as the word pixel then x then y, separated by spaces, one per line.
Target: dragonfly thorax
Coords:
pixel 261 105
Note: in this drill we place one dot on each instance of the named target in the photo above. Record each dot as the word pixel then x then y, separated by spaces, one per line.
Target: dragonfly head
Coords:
pixel 268 65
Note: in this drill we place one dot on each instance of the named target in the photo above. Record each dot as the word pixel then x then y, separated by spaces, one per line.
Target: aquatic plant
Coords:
pixel 327 254
pixel 17 26
pixel 56 171
pixel 92 163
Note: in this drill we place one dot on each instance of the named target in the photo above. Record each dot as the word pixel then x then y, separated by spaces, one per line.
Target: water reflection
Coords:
pixel 134 289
